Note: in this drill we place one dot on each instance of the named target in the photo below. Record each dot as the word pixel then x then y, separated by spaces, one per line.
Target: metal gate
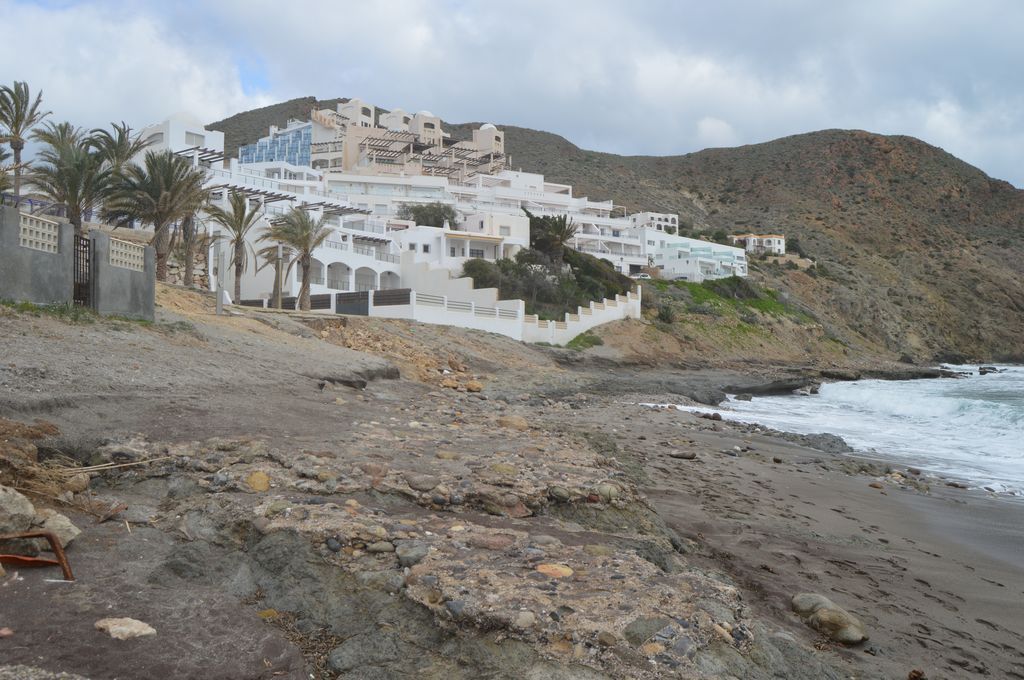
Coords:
pixel 83 273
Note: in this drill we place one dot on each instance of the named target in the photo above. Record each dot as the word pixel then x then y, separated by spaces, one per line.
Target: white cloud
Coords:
pixel 655 77
pixel 98 65
pixel 714 132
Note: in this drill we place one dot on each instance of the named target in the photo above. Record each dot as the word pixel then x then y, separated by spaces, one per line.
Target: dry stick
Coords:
pixel 107 466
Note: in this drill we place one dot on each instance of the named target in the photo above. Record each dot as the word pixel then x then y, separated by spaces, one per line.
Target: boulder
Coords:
pixel 16 512
pixel 514 422
pixel 825 616
pixel 57 524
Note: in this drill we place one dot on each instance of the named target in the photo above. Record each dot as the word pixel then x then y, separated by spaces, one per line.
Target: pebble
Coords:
pixel 381 547
pixel 683 455
pixel 333 544
pixel 411 553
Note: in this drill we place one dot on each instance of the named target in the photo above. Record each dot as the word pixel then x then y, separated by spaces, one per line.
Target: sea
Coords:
pixel 970 429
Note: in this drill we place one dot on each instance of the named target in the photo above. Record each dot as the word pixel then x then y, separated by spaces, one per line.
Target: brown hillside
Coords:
pixel 920 253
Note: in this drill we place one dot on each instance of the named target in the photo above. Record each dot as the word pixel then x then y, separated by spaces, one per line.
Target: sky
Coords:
pixel 625 76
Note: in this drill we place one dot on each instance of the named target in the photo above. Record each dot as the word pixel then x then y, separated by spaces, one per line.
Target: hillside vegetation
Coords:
pixel 919 253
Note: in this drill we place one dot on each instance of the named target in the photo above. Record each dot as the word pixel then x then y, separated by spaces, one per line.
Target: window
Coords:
pixel 367 112
pixel 650 243
pixel 429 126
pixel 192 139
pixel 505 231
pixel 476 252
pixel 497 138
pixel 412 247
pixel 155 138
pixel 481 225
pixel 426 247
pixel 451 252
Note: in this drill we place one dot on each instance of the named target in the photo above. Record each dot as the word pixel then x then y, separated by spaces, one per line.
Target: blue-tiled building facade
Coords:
pixel 292 146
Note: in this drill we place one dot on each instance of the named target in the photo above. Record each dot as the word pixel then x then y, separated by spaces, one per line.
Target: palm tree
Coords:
pixel 164 190
pixel 238 221
pixel 18 116
pixel 118 147
pixel 71 175
pixel 5 182
pixel 303 233
pixel 59 134
pixel 561 230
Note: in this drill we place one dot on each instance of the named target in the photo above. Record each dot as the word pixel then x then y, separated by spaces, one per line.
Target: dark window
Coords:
pixel 367 112
pixel 412 246
pixel 429 126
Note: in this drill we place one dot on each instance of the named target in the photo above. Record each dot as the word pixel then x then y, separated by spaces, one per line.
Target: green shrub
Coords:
pixel 584 341
pixel 666 314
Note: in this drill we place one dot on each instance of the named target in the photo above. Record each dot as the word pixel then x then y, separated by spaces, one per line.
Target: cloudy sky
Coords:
pixel 626 76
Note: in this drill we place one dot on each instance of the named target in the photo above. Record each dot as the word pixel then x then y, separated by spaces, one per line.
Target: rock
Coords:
pixel 744 396
pixel 683 455
pixel 16 512
pixel 544 539
pixel 985 370
pixel 447 455
pixel 457 608
pixel 825 616
pixel 504 469
pixel 363 651
pixel 333 544
pixel 525 620
pixel 608 492
pixel 642 629
pixel 555 570
pixel 258 481
pixel 57 524
pixel 559 494
pixel 876 485
pixel 77 483
pixel 420 482
pixel 514 422
pixel 474 386
pixel 606 639
pixel 125 629
pixel 381 547
pixel 450 383
pixel 491 541
pixel 411 553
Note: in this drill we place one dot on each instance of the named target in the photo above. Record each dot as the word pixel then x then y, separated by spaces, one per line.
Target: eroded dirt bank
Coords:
pixel 505 511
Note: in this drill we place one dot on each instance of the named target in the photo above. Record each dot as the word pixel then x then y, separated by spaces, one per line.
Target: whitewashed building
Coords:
pixel 761 244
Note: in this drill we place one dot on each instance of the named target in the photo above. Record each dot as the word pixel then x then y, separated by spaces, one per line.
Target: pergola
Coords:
pixel 202 153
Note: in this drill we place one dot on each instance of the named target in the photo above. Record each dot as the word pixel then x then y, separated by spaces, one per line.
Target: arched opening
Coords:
pixel 316 273
pixel 339 276
pixel 366 279
pixel 390 280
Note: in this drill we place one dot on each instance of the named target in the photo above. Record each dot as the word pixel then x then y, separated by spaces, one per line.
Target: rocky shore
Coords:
pixel 506 514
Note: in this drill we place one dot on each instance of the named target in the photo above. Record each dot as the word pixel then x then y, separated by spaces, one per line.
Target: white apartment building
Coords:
pixel 369 243
pixel 690 259
pixel 650 220
pixel 761 244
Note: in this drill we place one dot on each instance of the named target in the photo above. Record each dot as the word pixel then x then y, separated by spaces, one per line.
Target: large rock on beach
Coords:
pixel 827 617
pixel 16 511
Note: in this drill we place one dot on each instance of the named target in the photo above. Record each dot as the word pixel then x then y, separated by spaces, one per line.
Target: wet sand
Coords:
pixel 938 579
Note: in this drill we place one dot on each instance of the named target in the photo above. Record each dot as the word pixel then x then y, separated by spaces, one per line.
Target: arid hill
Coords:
pixel 919 253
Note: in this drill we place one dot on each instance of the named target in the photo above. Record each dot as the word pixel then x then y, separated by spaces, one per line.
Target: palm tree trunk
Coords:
pixel 189 265
pixel 238 271
pixel 304 290
pixel 16 146
pixel 162 244
pixel 188 240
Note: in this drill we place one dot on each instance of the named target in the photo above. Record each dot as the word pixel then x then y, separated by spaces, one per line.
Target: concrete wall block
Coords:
pixel 31 275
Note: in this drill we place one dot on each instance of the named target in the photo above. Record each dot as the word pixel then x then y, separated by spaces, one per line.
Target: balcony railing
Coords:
pixel 337 284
